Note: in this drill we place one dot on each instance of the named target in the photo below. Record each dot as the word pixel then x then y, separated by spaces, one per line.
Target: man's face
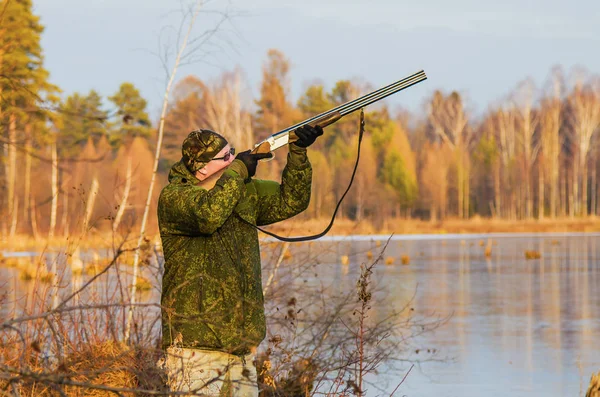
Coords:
pixel 215 166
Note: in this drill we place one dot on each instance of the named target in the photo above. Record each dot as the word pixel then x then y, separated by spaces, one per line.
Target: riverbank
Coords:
pixel 450 226
pixel 341 227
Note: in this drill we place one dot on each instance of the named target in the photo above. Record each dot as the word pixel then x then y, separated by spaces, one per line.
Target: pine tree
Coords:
pixel 81 118
pixel 133 120
pixel 25 93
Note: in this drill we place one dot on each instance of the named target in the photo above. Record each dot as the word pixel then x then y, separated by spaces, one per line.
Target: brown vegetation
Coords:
pixel 75 347
pixel 532 255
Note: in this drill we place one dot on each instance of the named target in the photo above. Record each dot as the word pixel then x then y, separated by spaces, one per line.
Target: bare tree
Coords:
pixel 584 104
pixel 449 121
pixel 551 143
pixel 224 112
pixel 507 142
pixel 527 123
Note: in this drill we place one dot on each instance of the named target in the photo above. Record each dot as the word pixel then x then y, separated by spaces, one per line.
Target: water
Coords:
pixel 515 327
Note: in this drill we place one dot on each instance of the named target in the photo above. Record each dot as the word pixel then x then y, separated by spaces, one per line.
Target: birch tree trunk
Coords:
pixel 541 193
pixel 27 193
pixel 563 194
pixel 54 205
pixel 154 169
pixel 53 211
pixel 65 210
pixel 593 189
pixel 584 188
pixel 33 215
pixel 571 192
pixel 125 197
pixel 12 170
pixel 497 193
pixel 467 188
pixel 89 208
pixel 13 224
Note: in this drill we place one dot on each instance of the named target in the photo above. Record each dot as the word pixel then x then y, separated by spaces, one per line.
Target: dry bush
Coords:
pixel 66 339
pixel 320 341
pixel 325 342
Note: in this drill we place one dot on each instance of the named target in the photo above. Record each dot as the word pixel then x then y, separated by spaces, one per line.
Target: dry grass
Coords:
pixel 488 252
pixel 342 227
pixel 92 370
pixel 532 255
pixel 104 364
pixel 86 360
pixel 594 387
pixel 448 226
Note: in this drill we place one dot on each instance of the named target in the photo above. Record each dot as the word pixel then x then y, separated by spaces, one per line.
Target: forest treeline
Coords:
pixel 71 162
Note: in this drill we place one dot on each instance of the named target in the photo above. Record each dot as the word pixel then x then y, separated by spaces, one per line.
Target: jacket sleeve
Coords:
pixel 279 201
pixel 192 210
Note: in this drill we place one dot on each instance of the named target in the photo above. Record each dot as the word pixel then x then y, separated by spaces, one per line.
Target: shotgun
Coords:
pixel 329 117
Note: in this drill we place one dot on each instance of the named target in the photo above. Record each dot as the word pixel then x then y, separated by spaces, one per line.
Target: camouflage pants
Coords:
pixel 210 373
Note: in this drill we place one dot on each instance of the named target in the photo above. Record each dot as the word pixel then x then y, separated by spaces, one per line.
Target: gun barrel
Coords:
pixel 382 93
pixel 282 137
pixel 363 101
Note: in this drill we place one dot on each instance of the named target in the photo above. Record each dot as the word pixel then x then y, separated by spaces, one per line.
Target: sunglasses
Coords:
pixel 227 155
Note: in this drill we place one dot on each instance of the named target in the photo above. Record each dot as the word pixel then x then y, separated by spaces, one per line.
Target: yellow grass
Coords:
pixel 488 251
pixel 594 387
pixel 341 227
pixel 450 226
pixel 532 255
pixel 287 255
pixel 405 259
pixel 143 284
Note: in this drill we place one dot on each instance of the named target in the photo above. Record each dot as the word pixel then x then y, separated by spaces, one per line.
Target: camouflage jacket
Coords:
pixel 212 288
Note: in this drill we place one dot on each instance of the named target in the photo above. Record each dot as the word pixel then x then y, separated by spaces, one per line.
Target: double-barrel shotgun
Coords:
pixel 329 117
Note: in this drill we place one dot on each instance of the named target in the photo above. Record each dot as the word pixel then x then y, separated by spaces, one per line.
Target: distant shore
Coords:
pixel 341 227
pixel 474 225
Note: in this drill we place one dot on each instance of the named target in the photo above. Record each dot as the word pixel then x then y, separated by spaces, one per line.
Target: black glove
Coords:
pixel 251 160
pixel 307 135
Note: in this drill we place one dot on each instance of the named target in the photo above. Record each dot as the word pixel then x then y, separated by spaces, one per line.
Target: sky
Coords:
pixel 481 48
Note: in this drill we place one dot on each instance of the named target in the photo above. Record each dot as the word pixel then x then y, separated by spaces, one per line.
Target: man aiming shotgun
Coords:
pixel 212 303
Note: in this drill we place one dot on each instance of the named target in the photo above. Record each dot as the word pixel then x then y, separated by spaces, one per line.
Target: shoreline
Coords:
pixel 401 229
pixel 345 227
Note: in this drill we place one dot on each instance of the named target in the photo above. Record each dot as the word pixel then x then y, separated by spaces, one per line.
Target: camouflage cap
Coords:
pixel 200 147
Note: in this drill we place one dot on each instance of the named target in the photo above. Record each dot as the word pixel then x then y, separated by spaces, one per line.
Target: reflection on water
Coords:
pixel 517 328
pixel 88 278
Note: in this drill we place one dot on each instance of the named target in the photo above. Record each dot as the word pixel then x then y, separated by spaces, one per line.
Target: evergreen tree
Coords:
pixel 133 120
pixel 81 117
pixel 25 93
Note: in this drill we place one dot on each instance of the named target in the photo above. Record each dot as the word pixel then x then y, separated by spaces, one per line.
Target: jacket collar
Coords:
pixel 181 175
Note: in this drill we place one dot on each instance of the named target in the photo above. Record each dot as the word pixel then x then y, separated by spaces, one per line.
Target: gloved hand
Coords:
pixel 307 135
pixel 251 160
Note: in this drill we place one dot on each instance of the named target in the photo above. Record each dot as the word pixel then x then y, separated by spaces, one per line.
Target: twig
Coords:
pixel 403 379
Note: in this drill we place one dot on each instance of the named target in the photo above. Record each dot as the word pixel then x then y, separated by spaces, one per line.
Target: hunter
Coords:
pixel 213 315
